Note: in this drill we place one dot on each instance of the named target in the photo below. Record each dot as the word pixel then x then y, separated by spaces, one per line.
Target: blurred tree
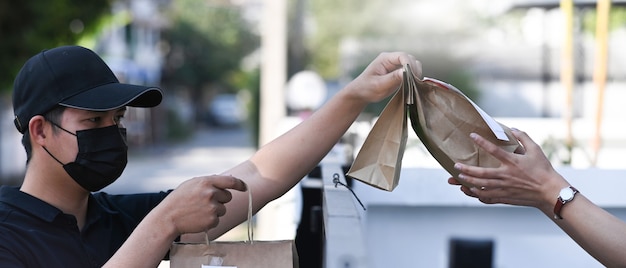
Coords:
pixel 206 43
pixel 336 20
pixel 27 27
pixel 617 19
pixel 348 34
pixel 382 25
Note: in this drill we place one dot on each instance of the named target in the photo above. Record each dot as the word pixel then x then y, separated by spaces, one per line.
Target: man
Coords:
pixel 69 106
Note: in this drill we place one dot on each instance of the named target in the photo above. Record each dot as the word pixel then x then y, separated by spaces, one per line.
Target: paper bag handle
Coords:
pixel 250 230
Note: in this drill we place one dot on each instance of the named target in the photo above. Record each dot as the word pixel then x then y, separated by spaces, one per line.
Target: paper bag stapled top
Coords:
pixel 442 117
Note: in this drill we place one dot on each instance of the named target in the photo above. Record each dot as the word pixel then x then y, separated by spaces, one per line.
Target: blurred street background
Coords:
pixel 254 63
pixel 237 73
pixel 208 151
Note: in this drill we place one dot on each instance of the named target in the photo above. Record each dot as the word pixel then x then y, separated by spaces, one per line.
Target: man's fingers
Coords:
pixel 229 182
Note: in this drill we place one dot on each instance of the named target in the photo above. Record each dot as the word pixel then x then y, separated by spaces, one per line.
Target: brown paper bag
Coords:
pixel 442 117
pixel 240 254
pixel 383 149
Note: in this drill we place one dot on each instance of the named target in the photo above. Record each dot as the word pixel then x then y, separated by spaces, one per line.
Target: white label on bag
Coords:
pixel 216 262
pixel 493 125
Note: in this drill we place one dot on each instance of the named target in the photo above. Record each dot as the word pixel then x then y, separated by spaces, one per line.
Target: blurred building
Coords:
pixel 513 53
pixel 131 46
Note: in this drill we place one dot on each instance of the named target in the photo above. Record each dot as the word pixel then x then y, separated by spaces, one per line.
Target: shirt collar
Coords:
pixel 12 196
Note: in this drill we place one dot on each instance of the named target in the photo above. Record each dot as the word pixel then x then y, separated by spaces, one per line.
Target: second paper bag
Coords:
pixel 240 254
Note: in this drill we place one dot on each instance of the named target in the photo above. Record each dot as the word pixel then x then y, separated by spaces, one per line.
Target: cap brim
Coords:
pixel 114 95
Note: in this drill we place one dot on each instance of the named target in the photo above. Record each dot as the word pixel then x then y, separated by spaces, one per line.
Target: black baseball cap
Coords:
pixel 75 77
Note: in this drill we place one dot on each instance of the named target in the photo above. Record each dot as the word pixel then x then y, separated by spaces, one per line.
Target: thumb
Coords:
pixel 392 79
pixel 525 140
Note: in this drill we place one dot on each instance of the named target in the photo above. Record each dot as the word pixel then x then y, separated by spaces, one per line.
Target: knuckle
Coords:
pixel 214 222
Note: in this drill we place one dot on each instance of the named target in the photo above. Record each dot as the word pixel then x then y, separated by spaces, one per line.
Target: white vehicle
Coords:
pixel 226 110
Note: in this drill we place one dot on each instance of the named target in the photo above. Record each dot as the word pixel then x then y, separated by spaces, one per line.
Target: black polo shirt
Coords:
pixel 35 234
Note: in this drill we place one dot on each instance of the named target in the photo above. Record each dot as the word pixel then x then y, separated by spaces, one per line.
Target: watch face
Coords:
pixel 566 194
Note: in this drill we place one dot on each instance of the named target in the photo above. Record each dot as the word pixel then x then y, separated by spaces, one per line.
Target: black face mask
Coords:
pixel 101 159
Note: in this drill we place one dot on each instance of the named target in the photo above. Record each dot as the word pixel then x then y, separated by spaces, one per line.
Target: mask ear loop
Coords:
pixel 57 125
pixel 46 149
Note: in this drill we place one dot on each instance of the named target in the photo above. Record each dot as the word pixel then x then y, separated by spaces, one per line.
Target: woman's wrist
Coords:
pixel 553 186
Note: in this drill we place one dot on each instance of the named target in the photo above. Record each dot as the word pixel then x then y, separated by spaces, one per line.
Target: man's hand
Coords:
pixel 196 205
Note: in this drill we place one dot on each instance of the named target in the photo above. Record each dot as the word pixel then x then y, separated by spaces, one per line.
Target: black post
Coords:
pixel 471 253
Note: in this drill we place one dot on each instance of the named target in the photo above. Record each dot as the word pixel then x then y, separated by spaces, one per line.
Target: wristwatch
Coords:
pixel 566 195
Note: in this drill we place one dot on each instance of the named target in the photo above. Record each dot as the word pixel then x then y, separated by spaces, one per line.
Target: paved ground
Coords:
pixel 209 151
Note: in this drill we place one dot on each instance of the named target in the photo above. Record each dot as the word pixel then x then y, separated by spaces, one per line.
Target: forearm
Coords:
pixel 296 152
pixel 146 246
pixel 279 165
pixel 601 234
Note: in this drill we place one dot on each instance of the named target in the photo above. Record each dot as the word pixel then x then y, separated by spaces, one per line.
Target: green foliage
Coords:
pixel 250 81
pixel 436 65
pixel 617 19
pixel 176 129
pixel 207 42
pixel 391 25
pixel 336 20
pixel 27 27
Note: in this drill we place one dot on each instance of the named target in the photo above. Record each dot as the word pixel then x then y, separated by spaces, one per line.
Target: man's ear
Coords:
pixel 37 129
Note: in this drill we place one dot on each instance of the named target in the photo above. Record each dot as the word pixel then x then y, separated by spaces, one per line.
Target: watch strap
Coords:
pixel 560 203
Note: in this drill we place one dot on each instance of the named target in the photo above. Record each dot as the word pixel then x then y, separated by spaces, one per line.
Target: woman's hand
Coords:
pixel 524 179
